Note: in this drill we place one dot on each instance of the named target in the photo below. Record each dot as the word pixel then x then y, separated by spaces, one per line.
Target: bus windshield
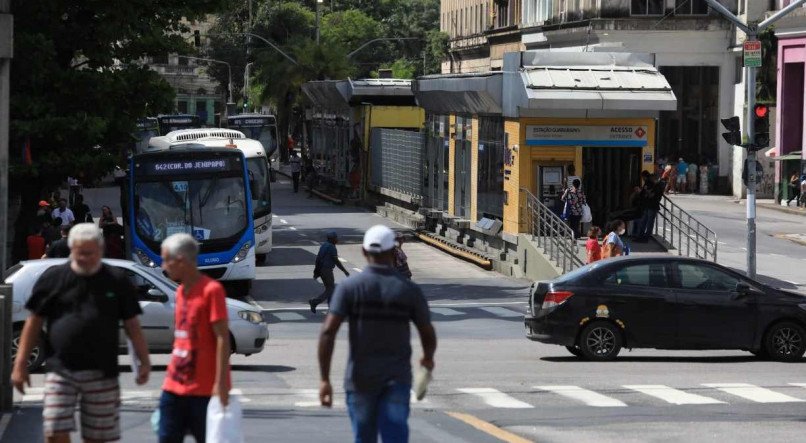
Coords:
pixel 209 208
pixel 259 181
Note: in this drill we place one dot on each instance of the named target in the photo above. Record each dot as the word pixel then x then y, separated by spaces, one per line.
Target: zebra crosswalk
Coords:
pixel 438 312
pixel 479 397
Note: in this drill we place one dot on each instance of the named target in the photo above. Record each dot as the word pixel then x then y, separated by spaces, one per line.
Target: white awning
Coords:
pixel 598 87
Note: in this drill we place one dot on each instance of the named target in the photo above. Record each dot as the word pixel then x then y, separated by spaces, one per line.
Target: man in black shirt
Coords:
pixel 82 303
pixel 59 248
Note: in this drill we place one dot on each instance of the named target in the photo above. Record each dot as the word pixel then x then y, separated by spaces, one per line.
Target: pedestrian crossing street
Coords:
pixel 470 398
pixel 438 312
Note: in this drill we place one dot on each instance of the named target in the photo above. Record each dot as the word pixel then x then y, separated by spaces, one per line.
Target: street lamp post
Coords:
pixel 246 84
pixel 318 13
pixel 229 71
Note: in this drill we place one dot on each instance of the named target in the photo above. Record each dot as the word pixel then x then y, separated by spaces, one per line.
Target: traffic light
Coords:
pixel 734 135
pixel 197 38
pixel 761 127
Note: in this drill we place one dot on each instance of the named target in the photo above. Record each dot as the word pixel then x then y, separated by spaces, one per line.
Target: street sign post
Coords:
pixel 752 54
pixel 752 61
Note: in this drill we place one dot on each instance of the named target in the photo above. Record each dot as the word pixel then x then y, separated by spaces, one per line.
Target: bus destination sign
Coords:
pixel 171 167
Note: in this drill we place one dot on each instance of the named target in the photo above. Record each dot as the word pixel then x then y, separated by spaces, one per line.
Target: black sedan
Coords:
pixel 665 302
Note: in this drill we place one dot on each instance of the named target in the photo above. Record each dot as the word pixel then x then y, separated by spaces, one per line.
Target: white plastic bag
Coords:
pixel 587 217
pixel 224 424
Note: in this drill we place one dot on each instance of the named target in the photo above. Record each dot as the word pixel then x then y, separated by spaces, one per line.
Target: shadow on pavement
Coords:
pixel 302 289
pixel 661 359
pixel 262 368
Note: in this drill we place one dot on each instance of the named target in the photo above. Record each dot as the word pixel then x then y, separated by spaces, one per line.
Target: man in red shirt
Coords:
pixel 36 245
pixel 199 366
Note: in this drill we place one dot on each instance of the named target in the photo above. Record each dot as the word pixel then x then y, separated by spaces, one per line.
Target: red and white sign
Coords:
pixel 752 54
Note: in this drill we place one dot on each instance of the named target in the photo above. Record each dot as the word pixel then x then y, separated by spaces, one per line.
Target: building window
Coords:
pixel 647 7
pixel 691 7
pixel 182 106
pixel 161 59
pixel 201 110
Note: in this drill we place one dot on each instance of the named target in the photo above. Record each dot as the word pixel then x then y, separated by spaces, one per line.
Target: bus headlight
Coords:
pixel 243 252
pixel 251 316
pixel 144 259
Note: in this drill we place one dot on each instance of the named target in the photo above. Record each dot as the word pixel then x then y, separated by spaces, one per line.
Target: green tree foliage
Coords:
pixel 78 85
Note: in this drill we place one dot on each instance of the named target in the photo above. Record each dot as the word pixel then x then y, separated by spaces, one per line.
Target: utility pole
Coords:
pixel 6 53
pixel 752 30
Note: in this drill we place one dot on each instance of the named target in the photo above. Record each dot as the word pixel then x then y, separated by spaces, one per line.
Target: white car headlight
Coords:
pixel 251 316
pixel 242 253
pixel 144 259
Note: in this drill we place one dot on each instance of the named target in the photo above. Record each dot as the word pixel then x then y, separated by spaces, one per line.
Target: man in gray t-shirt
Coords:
pixel 379 304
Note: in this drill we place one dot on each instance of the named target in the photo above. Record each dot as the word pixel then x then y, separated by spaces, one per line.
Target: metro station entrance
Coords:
pixel 610 175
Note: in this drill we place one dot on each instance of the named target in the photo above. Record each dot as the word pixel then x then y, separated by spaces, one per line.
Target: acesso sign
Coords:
pixel 574 135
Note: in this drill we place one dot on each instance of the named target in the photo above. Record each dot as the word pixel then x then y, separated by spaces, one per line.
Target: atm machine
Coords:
pixel 551 187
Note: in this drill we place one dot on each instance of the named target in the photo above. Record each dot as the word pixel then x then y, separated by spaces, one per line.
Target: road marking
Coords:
pixel 239 393
pixel 722 243
pixel 446 311
pixel 274 216
pixel 303 235
pixel 357 270
pixel 283 221
pixel 673 396
pixel 792 282
pixel 488 428
pixel 479 303
pixel 314 243
pixel 288 316
pixel 342 260
pixel 753 392
pixel 292 228
pixel 501 312
pixel 590 398
pixel 496 398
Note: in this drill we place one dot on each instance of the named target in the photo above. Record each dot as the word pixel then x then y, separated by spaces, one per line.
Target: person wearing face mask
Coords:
pixel 613 245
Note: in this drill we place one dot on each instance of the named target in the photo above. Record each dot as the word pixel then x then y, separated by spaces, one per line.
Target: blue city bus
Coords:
pixel 168 123
pixel 199 190
pixel 260 127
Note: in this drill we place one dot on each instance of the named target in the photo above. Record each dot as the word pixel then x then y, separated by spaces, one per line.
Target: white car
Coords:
pixel 157 296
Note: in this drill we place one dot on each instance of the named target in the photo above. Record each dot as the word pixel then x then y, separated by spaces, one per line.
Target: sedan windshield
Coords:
pixel 207 208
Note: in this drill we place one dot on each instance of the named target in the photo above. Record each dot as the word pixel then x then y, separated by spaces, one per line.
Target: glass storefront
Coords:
pixel 490 201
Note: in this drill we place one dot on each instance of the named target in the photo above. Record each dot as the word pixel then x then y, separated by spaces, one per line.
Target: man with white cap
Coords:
pixel 379 304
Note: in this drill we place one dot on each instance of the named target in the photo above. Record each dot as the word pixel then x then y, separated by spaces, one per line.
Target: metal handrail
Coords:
pixel 550 232
pixel 684 233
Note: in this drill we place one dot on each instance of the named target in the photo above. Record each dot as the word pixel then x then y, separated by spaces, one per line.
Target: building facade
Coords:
pixel 695 48
pixel 788 152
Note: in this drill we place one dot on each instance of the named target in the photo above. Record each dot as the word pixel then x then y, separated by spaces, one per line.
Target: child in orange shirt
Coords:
pixel 592 246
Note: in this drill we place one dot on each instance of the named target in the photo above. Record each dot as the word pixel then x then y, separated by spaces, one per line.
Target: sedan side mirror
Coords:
pixel 156 295
pixel 741 291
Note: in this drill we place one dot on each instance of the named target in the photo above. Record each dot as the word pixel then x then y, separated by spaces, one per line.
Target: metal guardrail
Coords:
pixel 550 232
pixel 684 233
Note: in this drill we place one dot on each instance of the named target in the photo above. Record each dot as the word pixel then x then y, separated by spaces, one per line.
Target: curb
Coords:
pixel 787 210
pixel 319 194
pixel 476 259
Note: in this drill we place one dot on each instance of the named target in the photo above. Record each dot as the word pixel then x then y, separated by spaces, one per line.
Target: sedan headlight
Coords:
pixel 242 253
pixel 144 259
pixel 251 316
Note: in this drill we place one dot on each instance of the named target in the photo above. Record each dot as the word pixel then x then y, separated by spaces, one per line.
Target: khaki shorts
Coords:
pixel 97 396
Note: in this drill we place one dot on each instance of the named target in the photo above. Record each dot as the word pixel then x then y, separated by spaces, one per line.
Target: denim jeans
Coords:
pixel 181 414
pixel 648 222
pixel 385 411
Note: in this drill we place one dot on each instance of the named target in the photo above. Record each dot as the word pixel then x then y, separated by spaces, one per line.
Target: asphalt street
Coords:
pixel 491 384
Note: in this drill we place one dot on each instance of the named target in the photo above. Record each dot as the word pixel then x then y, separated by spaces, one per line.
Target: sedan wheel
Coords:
pixel 785 341
pixel 600 341
pixel 37 357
